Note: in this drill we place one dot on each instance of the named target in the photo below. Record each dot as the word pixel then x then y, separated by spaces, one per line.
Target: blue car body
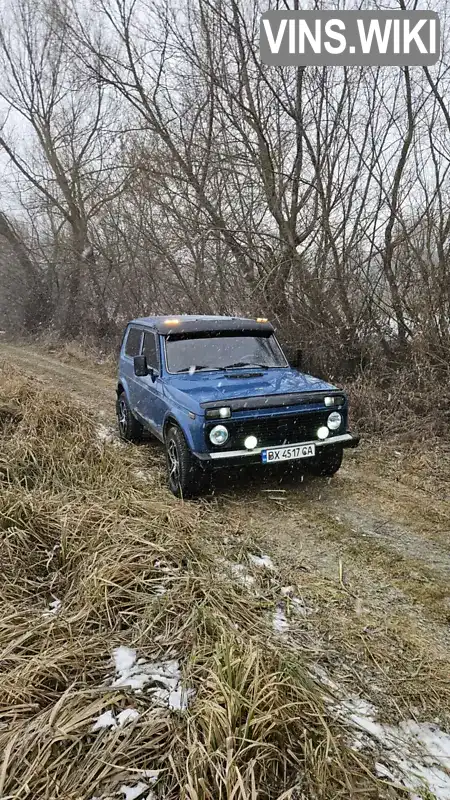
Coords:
pixel 278 405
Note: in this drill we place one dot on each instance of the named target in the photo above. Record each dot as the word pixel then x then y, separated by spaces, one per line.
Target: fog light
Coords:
pixel 323 432
pixel 337 400
pixel 219 434
pixel 250 442
pixel 334 421
pixel 218 413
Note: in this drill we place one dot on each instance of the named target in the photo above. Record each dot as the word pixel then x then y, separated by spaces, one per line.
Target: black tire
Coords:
pixel 185 476
pixel 328 460
pixel 130 428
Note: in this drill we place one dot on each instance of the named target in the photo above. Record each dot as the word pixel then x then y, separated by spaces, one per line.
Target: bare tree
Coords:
pixel 68 137
pixel 165 167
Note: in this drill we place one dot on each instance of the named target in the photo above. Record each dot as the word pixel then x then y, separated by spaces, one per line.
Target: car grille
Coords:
pixel 272 431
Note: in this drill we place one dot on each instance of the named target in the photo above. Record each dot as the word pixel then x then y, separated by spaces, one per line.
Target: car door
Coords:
pixel 152 404
pixel 132 347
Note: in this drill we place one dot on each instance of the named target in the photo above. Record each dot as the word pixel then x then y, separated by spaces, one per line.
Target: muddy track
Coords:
pixel 370 555
pixel 90 385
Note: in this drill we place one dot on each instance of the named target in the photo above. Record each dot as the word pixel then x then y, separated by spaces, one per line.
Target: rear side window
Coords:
pixel 150 349
pixel 133 342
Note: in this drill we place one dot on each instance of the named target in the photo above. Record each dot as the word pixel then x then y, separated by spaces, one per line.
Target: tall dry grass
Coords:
pixel 412 403
pixel 79 524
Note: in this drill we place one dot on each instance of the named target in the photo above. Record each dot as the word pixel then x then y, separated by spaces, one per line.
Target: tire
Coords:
pixel 130 428
pixel 328 461
pixel 185 476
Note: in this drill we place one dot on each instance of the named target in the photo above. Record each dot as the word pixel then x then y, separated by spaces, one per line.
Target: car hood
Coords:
pixel 220 386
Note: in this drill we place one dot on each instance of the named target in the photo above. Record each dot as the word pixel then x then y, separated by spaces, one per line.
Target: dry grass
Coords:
pixel 412 404
pixel 79 524
pixel 78 352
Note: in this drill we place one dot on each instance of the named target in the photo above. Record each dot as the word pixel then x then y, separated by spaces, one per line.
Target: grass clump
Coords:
pixel 129 566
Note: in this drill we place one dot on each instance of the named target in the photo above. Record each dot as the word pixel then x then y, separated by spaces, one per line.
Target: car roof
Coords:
pixel 192 323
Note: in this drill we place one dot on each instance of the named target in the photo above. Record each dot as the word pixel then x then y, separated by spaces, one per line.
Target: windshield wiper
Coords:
pixel 194 367
pixel 245 364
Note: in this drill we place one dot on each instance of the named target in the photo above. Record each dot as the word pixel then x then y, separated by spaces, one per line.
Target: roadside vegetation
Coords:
pixel 151 648
pixel 95 558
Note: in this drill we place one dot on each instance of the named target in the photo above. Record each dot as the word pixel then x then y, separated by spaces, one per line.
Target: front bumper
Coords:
pixel 218 458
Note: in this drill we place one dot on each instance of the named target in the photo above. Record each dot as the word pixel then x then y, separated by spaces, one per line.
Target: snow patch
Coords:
pixel 261 561
pixel 108 720
pixel 53 608
pixel 126 716
pixel 133 792
pixel 136 790
pixel 161 565
pixel 161 678
pixel 240 572
pixel 280 621
pixel 105 720
pixel 151 774
pixel 417 754
pixel 124 658
pixel 108 436
pixel 179 699
pixel 318 672
pixel 299 606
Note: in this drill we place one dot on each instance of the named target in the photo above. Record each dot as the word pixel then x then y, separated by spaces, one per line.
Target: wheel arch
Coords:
pixel 173 421
pixel 122 387
pixel 169 422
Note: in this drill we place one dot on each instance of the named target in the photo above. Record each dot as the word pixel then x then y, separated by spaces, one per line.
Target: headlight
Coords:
pixel 218 413
pixel 334 421
pixel 323 432
pixel 250 442
pixel 218 434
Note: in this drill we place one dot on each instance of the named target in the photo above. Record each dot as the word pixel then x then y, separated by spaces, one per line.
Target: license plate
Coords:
pixel 288 453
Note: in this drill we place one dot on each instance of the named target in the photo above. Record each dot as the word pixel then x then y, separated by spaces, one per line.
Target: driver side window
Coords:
pixel 150 350
pixel 133 342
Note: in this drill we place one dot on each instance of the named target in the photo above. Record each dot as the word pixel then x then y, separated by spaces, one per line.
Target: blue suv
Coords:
pixel 219 392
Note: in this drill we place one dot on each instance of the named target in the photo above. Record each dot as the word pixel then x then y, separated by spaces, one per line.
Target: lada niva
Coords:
pixel 219 392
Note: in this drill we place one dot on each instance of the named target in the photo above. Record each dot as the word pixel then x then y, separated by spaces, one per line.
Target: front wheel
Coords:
pixel 129 428
pixel 185 476
pixel 327 461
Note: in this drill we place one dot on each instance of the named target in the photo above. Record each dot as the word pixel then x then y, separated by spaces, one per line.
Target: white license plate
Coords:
pixel 288 453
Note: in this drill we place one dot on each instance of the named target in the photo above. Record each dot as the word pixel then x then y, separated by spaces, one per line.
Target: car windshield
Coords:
pixel 192 353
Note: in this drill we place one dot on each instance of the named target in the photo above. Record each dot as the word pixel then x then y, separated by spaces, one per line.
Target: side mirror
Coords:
pixel 140 366
pixel 295 357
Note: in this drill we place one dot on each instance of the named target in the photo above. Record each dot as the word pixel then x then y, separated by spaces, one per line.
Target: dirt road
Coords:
pixel 368 552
